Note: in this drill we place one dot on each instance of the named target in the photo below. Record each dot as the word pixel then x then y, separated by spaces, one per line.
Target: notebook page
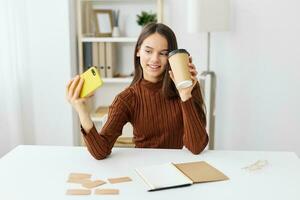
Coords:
pixel 162 176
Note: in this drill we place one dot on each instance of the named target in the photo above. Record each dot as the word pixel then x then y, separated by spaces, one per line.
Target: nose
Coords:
pixel 155 58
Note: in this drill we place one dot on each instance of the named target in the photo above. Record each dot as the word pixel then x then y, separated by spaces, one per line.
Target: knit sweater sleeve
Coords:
pixel 100 144
pixel 195 137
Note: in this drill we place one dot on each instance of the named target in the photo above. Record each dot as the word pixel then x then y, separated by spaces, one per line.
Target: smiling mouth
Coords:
pixel 154 67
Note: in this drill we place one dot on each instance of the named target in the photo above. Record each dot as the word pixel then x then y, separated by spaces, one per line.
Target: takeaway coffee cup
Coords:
pixel 179 62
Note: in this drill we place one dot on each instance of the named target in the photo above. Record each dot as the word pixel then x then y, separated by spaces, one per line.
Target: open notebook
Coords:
pixel 170 175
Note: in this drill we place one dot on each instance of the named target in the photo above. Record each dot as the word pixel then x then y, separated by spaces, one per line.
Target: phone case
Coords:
pixel 92 81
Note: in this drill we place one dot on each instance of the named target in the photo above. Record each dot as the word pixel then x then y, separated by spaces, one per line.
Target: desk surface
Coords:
pixel 40 172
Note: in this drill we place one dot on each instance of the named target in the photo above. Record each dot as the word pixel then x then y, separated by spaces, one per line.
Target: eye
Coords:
pixel 147 51
pixel 163 53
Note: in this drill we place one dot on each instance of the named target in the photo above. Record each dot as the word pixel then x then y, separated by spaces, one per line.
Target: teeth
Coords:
pixel 154 66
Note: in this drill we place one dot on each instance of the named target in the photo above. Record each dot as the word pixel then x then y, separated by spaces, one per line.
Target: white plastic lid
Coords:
pixel 184 84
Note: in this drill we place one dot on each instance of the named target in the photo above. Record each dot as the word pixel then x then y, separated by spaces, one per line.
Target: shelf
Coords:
pixel 117 80
pixel 109 39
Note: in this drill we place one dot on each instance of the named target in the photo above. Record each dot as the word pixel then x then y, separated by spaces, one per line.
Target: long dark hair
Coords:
pixel 168 88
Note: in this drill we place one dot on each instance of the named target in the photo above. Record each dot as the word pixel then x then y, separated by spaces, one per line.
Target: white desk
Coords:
pixel 40 172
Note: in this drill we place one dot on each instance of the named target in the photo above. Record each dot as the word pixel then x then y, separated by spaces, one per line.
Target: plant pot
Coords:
pixel 116 31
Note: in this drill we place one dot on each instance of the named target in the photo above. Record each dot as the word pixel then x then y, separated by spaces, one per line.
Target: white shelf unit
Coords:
pixel 109 39
pixel 129 33
pixel 108 4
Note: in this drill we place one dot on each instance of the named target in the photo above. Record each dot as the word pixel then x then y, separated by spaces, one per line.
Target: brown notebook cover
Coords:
pixel 200 172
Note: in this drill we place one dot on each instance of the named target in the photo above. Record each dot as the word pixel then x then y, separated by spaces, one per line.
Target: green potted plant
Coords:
pixel 145 18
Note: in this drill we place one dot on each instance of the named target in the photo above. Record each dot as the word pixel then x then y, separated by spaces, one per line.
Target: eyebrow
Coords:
pixel 152 48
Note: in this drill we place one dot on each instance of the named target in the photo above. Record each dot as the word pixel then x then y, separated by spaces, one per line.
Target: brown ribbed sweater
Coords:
pixel 157 122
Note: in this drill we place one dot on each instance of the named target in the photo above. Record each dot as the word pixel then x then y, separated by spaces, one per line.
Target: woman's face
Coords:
pixel 153 57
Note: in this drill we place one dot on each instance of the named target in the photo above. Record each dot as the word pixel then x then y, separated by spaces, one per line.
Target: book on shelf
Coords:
pixel 102 58
pixel 103 55
pixel 95 54
pixel 110 59
pixel 87 54
pixel 170 175
pixel 87 18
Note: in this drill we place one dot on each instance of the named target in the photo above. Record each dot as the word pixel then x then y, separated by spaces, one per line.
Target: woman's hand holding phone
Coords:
pixel 79 104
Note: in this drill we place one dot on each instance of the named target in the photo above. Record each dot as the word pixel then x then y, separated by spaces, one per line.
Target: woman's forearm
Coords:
pixel 86 121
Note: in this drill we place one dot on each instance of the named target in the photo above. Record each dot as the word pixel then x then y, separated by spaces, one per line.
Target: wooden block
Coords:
pixel 78 192
pixel 93 184
pixel 79 176
pixel 119 179
pixel 76 180
pixel 106 191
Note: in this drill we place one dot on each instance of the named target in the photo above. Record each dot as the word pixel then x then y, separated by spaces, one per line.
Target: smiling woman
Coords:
pixel 153 55
pixel 162 115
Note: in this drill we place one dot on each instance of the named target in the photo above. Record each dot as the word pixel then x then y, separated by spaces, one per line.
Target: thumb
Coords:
pixel 90 95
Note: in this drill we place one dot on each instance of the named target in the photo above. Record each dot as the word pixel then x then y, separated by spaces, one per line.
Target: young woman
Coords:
pixel 161 115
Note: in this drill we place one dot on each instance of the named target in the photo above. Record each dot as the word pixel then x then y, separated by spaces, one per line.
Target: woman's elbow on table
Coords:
pixel 99 156
pixel 195 151
pixel 198 148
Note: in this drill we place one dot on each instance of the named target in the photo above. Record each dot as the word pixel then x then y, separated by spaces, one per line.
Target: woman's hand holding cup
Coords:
pixel 183 72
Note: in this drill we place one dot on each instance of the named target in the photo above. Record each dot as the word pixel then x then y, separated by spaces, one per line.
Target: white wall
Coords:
pixel 9 87
pixel 51 66
pixel 258 73
pixel 37 60
pixel 258 66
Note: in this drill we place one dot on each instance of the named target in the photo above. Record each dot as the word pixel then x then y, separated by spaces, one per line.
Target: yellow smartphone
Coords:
pixel 92 81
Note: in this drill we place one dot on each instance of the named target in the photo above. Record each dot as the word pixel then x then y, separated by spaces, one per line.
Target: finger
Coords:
pixel 73 86
pixel 191 65
pixel 69 83
pixel 68 86
pixel 90 95
pixel 193 72
pixel 78 88
pixel 194 79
